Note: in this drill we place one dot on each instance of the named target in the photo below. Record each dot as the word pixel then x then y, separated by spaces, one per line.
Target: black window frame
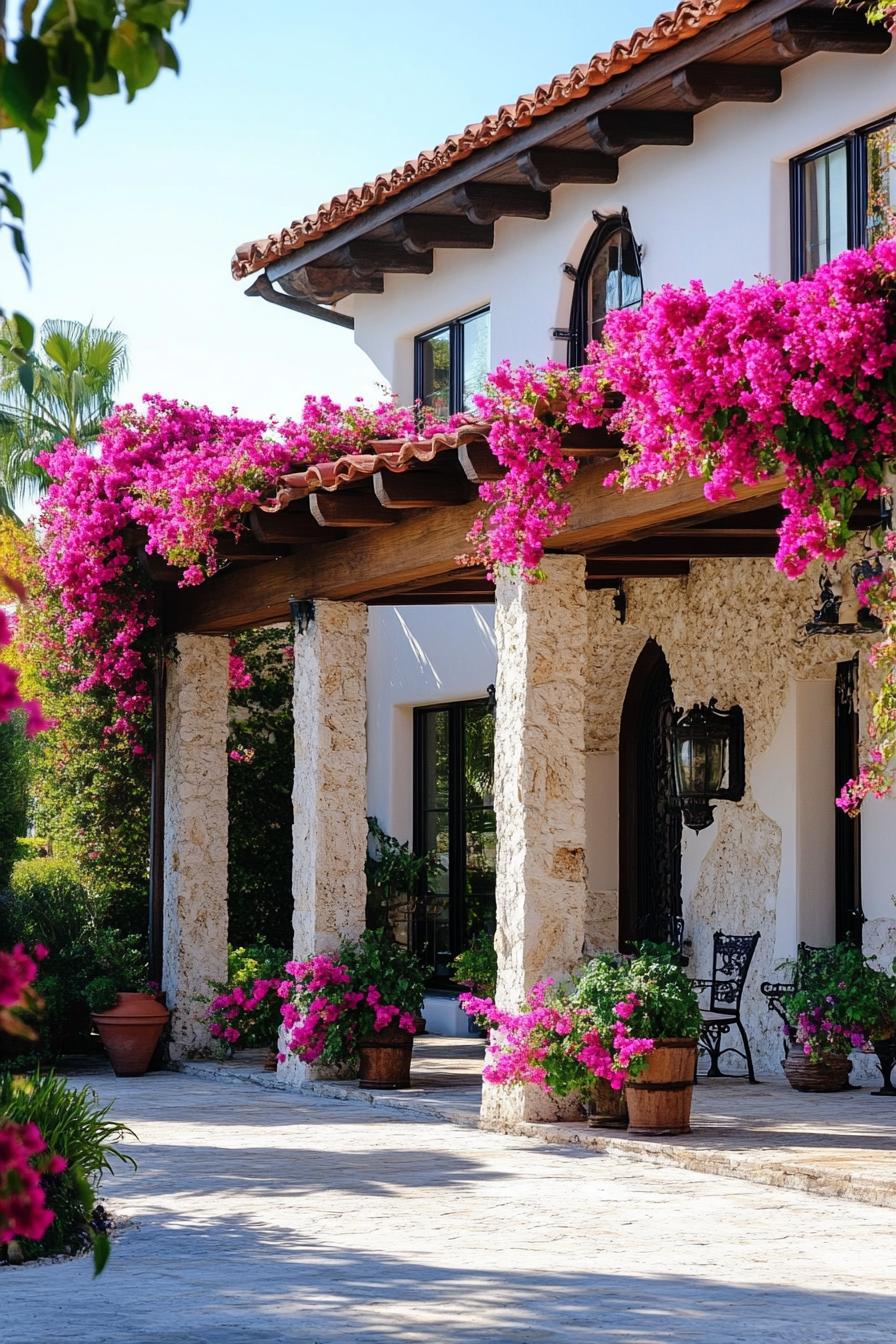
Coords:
pixel 855 143
pixel 455 328
pixel 457 812
pixel 606 227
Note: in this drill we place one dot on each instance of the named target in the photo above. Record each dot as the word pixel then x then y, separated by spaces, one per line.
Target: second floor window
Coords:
pixel 451 363
pixel 607 278
pixel 843 195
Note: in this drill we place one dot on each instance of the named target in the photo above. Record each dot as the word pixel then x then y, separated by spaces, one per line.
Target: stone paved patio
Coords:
pixel 842 1144
pixel 264 1216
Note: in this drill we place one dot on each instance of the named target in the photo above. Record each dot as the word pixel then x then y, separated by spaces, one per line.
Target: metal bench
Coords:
pixel 732 954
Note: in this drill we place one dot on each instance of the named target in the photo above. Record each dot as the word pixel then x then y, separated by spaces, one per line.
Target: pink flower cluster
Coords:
pixel 235 1005
pixel 18 971
pixel 819 1035
pixel 23 1160
pixel 613 1062
pixel 324 1014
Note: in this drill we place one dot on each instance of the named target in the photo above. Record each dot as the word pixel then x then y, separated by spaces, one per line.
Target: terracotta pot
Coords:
pixel 386 1059
pixel 605 1107
pixel 659 1100
pixel 130 1032
pixel 827 1075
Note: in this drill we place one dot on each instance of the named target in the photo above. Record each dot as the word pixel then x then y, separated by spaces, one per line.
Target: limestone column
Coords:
pixel 330 785
pixel 194 942
pixel 541 635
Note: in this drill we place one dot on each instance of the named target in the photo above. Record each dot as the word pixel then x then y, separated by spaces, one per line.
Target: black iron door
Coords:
pixel 847 830
pixel 649 821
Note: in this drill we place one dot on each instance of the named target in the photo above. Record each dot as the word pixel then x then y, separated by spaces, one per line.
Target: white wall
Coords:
pixel 718 209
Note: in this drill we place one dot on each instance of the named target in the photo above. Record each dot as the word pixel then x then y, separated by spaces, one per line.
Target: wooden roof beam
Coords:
pixel 348 508
pixel 549 168
pixel 371 256
pixel 289 527
pixel 709 82
pixel 424 489
pixel 484 202
pixel 618 130
pixel 479 463
pixel 806 31
pixel 644 568
pixel 421 233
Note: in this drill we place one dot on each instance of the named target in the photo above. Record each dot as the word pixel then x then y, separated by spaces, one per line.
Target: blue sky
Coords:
pixel 280 104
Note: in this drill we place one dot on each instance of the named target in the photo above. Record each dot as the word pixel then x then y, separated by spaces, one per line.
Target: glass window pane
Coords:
pixel 615 280
pixel 477 354
pixel 825 220
pixel 479 756
pixel 435 758
pixel 436 841
pixel 435 389
pixel 880 208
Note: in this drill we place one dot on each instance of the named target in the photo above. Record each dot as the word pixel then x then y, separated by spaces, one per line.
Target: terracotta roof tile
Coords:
pixel 359 466
pixel 670 29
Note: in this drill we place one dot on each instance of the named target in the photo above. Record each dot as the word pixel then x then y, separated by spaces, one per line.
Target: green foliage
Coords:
pixel 245 965
pixel 49 904
pixel 394 879
pixel 13 793
pixel 861 995
pixel 668 1004
pixel 66 392
pixel 75 1126
pixel 477 966
pixel 375 960
pixel 259 867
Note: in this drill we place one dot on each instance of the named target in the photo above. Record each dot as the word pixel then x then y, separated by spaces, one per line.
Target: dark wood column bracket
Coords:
pixel 707 83
pixel 549 168
pixel 616 130
pixel 484 202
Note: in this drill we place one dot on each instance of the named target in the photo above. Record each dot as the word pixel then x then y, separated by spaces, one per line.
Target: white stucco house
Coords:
pixel 732 139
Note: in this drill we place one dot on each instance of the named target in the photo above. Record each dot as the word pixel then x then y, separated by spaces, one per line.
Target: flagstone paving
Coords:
pixel 269 1216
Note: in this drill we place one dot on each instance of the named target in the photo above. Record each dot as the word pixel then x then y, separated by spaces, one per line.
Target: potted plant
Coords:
pixel 842 1001
pixel 126 1008
pixel 476 968
pixel 395 877
pixel 652 995
pixel 561 1046
pixel 360 1009
pixel 247 1008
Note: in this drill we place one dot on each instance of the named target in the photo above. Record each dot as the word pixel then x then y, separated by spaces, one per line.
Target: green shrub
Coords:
pixel 13 793
pixel 477 966
pixel 75 1126
pixel 667 1004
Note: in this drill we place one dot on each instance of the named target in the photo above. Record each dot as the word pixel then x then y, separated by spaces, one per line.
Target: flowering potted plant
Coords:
pixel 247 1008
pixel 363 1007
pixel 655 1000
pixel 476 968
pixel 557 1045
pixel 840 1004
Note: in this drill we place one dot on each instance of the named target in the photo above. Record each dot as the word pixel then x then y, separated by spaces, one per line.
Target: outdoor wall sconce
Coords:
pixel 838 611
pixel 708 760
pixel 301 609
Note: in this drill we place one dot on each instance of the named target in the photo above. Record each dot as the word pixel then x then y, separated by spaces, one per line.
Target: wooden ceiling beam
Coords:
pixel 421 233
pixel 806 31
pixel 484 202
pixel 676 546
pixel 479 463
pixel 425 546
pixel 706 83
pixel 618 130
pixel 549 168
pixel 348 508
pixel 425 489
pixel 637 569
pixel 288 527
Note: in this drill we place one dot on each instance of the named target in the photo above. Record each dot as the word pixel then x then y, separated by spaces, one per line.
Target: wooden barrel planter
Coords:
pixel 130 1032
pixel 605 1107
pixel 386 1059
pixel 825 1075
pixel 659 1099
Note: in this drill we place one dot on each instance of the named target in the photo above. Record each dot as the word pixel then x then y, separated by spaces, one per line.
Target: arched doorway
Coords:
pixel 649 822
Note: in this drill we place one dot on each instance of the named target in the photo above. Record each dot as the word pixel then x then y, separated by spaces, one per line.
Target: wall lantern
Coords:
pixel 708 760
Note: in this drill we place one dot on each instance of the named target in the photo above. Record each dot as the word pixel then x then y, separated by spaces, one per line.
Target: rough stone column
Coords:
pixel 194 943
pixel 330 788
pixel 541 633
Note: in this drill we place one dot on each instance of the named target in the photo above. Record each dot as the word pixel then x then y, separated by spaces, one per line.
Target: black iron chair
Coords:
pixel 656 928
pixel 731 957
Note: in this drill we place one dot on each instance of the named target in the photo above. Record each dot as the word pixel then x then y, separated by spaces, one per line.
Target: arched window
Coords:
pixel 607 278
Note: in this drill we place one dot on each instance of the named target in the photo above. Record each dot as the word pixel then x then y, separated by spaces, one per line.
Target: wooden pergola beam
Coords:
pixel 380 562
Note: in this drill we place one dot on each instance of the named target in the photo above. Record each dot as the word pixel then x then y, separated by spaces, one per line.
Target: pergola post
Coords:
pixel 194 940
pixel 330 785
pixel 541 633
